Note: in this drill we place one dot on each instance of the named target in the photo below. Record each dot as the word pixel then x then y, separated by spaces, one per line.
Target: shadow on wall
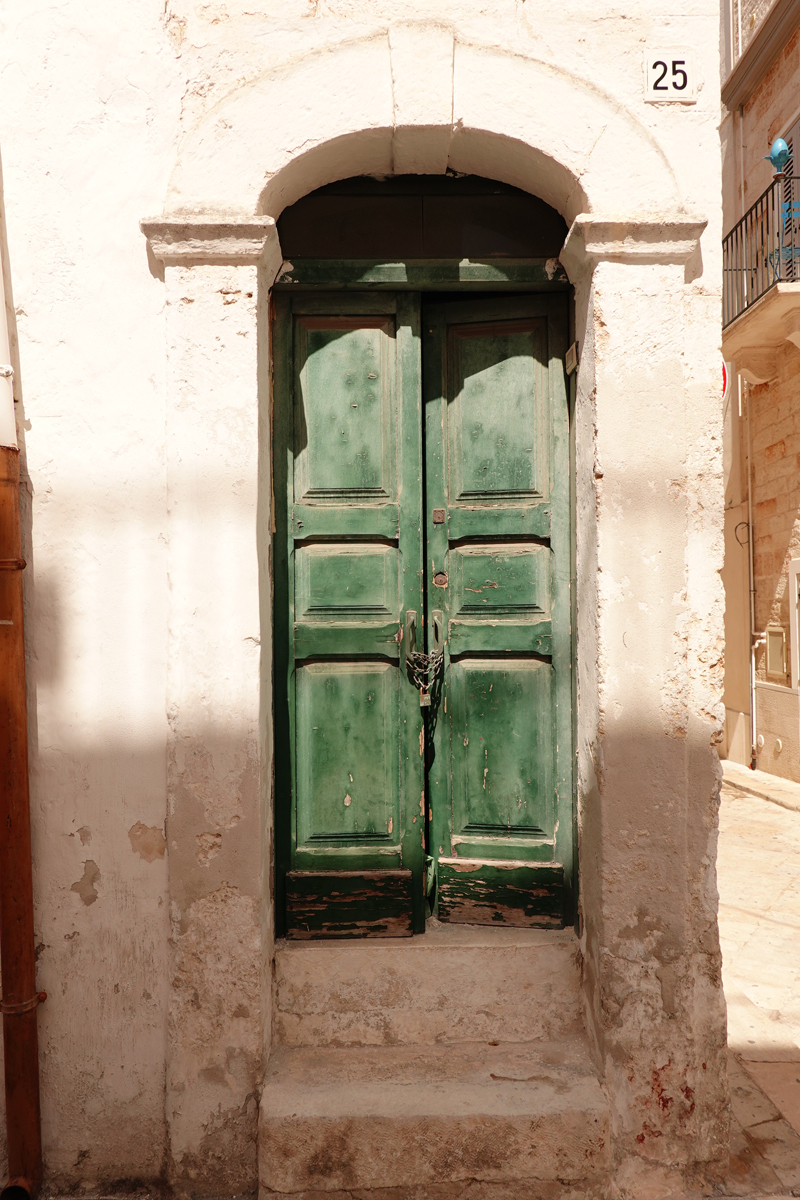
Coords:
pixel 114 965
pixel 134 980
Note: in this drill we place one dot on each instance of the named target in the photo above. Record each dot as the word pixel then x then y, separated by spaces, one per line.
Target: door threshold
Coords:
pixel 441 933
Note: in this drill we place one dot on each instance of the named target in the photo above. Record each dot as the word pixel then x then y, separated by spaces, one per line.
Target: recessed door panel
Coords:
pixel 503 749
pixel 497 411
pixel 348 732
pixel 347 581
pixel 344 419
pixel 500 580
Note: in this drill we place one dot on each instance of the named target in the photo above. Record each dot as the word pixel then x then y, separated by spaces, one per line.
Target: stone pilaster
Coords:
pixel 218 761
pixel 650 776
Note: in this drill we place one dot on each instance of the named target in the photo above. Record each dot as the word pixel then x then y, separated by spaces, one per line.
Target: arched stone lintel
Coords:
pixel 416 99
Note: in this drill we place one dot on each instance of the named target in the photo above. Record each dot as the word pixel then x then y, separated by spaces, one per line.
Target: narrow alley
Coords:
pixel 759 917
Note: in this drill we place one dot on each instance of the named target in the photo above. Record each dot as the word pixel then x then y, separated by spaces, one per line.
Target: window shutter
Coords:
pixel 792 139
pixel 791 204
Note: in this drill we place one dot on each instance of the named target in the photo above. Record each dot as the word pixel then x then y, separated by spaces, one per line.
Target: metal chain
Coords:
pixel 423 668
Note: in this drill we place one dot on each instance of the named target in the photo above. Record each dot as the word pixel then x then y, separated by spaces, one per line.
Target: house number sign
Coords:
pixel 670 76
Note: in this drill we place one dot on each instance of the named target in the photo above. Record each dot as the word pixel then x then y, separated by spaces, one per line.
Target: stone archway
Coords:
pixel 417 100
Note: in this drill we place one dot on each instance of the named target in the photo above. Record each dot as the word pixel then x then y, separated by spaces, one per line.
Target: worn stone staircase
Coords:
pixel 424 1064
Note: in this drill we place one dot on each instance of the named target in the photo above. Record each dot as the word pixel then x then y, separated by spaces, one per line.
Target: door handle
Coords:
pixel 411 631
pixel 438 630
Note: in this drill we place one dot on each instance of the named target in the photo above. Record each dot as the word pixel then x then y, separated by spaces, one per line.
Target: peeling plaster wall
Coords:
pixel 144 416
pixel 214 830
pixel 649 819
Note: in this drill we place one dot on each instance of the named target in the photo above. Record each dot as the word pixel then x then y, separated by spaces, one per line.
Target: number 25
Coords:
pixel 677 70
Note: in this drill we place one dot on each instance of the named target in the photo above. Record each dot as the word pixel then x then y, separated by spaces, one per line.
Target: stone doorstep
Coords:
pixel 467 1190
pixel 451 984
pixel 378 1118
pixel 527 1191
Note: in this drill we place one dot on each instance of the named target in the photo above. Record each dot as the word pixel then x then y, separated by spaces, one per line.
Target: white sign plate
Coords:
pixel 669 75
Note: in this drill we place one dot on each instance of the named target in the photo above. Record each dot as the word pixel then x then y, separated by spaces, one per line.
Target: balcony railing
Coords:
pixel 763 249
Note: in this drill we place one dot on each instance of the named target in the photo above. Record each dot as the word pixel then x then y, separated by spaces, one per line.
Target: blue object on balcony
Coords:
pixel 779 154
pixel 763 249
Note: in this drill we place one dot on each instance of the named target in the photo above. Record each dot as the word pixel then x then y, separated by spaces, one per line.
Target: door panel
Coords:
pixel 349 772
pixel 347 734
pixel 346 580
pixel 501 893
pixel 497 410
pixel 349 904
pixel 498 565
pixel 502 758
pixel 344 408
pixel 499 597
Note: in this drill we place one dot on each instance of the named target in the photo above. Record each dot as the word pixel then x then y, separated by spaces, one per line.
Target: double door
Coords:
pixel 422 613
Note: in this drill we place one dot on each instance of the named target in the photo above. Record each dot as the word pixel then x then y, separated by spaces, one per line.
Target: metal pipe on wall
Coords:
pixel 20 999
pixel 755 640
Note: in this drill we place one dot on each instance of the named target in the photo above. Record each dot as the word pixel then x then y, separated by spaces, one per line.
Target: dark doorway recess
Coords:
pixel 421 216
pixel 422 550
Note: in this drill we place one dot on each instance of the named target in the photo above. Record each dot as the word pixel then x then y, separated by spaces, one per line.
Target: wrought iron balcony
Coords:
pixel 763 249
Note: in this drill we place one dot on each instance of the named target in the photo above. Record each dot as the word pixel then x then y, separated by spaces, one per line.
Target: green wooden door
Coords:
pixel 498 567
pixel 359 568
pixel 348 490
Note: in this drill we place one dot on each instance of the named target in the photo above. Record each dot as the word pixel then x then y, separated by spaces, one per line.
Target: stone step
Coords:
pixel 342 1119
pixel 454 983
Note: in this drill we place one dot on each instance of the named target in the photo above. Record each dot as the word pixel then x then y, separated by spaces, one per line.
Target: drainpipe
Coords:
pixel 756 640
pixel 20 999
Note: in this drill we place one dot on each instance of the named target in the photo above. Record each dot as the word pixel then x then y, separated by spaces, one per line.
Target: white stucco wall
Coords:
pixel 138 388
pixel 90 99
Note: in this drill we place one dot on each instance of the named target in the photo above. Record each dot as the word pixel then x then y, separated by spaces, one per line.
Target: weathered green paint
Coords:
pixel 349 904
pixel 347 777
pixel 496 460
pixel 528 521
pixel 421 274
pixel 351 554
pixel 503 580
pixel 348 448
pixel 501 717
pixel 336 520
pixel 501 893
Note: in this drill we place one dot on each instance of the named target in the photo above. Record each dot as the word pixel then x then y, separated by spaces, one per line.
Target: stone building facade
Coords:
pixel 149 152
pixel 762 427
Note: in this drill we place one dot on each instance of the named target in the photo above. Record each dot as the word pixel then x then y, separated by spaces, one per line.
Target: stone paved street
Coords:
pixel 759 886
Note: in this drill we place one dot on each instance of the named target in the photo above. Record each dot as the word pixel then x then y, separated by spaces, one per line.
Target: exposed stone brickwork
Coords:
pixel 751 13
pixel 775 437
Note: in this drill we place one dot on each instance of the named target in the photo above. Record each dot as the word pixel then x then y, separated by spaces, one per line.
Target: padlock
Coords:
pixel 424 698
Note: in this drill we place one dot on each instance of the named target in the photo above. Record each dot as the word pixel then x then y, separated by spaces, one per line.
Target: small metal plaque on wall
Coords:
pixel 669 75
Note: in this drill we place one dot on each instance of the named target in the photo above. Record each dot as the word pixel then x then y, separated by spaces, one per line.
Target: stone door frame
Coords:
pixel 218 265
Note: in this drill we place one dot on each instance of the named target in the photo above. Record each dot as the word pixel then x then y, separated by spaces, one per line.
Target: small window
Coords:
pixel 776 650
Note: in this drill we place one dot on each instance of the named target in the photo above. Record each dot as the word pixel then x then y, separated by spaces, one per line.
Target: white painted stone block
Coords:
pixel 422 91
